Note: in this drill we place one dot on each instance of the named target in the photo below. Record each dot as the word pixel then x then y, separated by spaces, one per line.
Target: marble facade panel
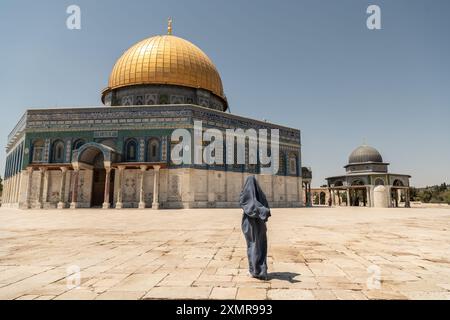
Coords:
pixel 265 182
pixel 292 193
pixel 279 187
pixel 148 186
pixel 216 186
pixel 163 185
pixel 130 186
pixel 200 184
pixel 22 197
pixel 35 182
pixel 54 184
pixel 85 188
pixel 234 186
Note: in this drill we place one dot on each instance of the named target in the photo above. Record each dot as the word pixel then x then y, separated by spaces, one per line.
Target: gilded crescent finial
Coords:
pixel 169 26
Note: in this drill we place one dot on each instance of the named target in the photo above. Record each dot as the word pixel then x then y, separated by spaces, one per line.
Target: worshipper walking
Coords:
pixel 256 213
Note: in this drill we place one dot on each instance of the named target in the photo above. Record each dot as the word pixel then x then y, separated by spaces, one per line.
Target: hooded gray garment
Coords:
pixel 256 212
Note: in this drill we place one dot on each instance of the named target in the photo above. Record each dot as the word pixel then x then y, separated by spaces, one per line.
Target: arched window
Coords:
pixel 131 150
pixel 153 152
pixel 357 183
pixel 77 144
pixel 398 183
pixel 58 151
pixel 282 164
pixel 292 165
pixel 379 182
pixel 38 151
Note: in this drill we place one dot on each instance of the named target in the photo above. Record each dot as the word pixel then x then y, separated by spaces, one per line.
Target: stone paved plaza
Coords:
pixel 314 253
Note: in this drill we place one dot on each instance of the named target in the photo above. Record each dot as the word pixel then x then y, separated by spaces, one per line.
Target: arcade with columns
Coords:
pixel 91 180
pixel 367 182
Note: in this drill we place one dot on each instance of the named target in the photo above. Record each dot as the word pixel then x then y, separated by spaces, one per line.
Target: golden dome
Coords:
pixel 166 59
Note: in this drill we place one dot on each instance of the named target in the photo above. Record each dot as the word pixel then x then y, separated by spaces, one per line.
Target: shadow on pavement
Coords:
pixel 286 276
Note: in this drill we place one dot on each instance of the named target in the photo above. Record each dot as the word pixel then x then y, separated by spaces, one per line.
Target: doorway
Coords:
pixel 98 183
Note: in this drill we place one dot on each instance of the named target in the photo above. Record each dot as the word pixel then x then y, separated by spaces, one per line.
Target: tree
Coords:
pixel 425 195
pixel 435 194
pixel 413 194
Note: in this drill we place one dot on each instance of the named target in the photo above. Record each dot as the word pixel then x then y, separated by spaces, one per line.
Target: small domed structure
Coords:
pixel 368 182
pixel 363 154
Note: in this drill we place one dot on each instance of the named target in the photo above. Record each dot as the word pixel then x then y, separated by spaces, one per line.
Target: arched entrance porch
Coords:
pixel 98 184
pixel 93 160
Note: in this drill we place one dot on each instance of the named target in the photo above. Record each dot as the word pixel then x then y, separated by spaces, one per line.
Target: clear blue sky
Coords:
pixel 311 65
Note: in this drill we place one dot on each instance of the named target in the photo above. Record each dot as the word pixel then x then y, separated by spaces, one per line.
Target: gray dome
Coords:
pixel 365 153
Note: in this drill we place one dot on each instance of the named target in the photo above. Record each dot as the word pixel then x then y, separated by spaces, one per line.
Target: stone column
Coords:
pixel 76 176
pixel 305 186
pixel 13 189
pixel 30 181
pixel 388 190
pixel 106 203
pixel 119 203
pixel 369 200
pixel 19 182
pixel 10 185
pixel 155 204
pixel 42 196
pixel 10 189
pixel 372 196
pixel 45 187
pixel 5 191
pixel 407 199
pixel 141 189
pixel 13 195
pixel 310 202
pixel 11 192
pixel 19 188
pixel 333 198
pixel 348 197
pixel 306 194
pixel 62 188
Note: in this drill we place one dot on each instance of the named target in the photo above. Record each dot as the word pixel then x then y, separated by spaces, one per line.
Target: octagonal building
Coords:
pixel 119 155
pixel 365 171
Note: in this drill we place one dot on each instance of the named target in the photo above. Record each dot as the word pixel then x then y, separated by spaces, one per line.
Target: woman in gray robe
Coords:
pixel 256 212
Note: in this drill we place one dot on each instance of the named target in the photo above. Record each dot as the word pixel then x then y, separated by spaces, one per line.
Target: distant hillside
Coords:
pixel 433 194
